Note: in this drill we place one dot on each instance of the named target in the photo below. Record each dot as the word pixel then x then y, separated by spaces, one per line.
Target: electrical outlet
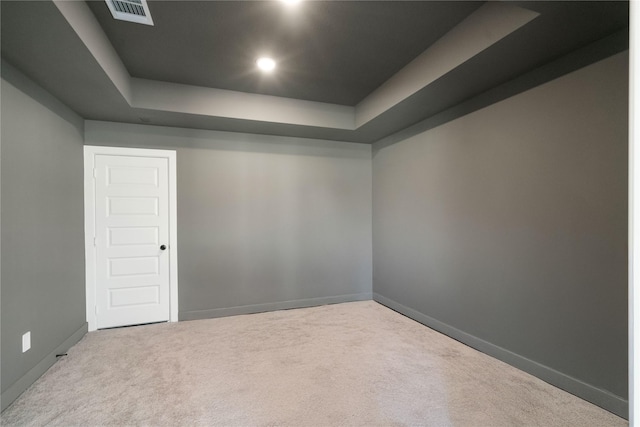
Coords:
pixel 26 341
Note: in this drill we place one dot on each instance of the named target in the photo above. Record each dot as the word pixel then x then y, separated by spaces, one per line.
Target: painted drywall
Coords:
pixel 84 23
pixel 480 30
pixel 507 229
pixel 41 228
pixel 164 96
pixel 263 222
pixel 186 99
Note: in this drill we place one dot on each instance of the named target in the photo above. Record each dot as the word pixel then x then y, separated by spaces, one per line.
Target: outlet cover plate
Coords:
pixel 26 341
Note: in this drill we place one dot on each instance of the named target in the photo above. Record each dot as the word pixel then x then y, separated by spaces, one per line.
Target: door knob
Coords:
pixel 163 247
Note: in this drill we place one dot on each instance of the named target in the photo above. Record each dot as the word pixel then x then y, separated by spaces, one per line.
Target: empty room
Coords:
pixel 316 213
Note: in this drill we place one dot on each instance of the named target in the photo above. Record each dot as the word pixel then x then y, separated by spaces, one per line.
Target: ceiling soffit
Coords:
pixel 484 27
pixel 499 49
pixel 335 52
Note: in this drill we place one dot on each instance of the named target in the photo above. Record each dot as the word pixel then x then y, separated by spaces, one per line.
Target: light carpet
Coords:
pixel 345 364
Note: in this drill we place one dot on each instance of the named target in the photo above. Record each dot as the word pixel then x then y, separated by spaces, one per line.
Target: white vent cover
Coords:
pixel 130 10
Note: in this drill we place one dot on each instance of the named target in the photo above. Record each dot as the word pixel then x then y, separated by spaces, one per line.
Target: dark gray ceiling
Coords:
pixel 335 52
pixel 36 39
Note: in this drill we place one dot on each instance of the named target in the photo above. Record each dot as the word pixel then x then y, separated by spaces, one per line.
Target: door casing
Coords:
pixel 89 224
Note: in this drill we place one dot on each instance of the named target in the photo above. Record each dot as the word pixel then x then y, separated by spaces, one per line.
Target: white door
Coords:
pixel 132 239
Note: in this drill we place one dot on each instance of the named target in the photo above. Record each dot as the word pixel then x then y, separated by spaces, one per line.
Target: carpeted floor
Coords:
pixel 346 364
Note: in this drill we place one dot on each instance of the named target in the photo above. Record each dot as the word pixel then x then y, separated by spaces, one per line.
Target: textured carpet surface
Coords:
pixel 346 364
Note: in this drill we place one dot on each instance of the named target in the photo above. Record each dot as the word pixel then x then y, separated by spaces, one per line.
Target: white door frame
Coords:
pixel 90 230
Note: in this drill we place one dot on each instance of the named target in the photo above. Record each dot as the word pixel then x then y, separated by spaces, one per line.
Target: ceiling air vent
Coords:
pixel 130 10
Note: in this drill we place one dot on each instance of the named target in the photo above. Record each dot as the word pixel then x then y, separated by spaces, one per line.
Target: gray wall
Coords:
pixel 263 222
pixel 507 229
pixel 42 230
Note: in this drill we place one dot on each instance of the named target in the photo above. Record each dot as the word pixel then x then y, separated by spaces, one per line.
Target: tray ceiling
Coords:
pixel 355 71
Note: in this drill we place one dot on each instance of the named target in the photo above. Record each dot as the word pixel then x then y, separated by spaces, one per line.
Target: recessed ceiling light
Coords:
pixel 290 1
pixel 266 64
